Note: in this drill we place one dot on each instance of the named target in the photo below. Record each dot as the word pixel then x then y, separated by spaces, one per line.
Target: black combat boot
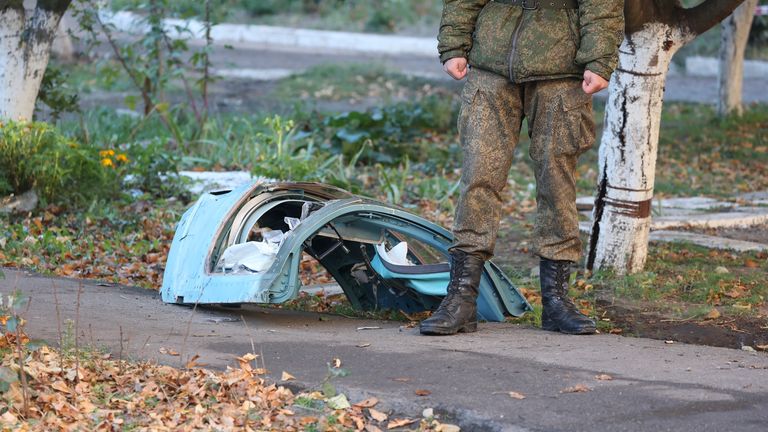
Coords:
pixel 559 313
pixel 458 310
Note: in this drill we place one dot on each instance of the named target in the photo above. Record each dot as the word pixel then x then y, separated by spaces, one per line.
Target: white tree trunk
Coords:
pixel 731 74
pixel 627 156
pixel 25 42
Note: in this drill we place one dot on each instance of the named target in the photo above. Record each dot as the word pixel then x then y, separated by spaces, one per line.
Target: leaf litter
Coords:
pixel 96 392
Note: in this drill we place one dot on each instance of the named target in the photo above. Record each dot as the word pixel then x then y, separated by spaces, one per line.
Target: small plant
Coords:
pixel 13 337
pixel 36 156
pixel 57 94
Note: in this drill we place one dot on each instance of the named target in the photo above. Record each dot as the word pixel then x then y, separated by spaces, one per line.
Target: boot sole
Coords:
pixel 442 331
pixel 583 331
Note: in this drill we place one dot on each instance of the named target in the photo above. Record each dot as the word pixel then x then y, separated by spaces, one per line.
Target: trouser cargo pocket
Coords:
pixel 579 126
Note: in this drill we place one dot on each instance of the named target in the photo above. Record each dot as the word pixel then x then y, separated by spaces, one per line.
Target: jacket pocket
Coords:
pixel 492 38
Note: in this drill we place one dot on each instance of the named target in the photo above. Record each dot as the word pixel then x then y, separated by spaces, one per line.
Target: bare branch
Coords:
pixel 703 17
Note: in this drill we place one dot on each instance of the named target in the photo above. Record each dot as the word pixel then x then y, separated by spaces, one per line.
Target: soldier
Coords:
pixel 540 60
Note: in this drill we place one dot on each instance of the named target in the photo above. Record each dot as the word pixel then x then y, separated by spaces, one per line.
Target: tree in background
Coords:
pixel 655 31
pixel 731 74
pixel 26 36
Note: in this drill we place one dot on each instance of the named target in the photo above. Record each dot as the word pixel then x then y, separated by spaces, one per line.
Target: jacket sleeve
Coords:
pixel 602 31
pixel 456 27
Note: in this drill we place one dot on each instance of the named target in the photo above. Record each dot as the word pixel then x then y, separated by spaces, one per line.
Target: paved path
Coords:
pixel 655 386
pixel 253 62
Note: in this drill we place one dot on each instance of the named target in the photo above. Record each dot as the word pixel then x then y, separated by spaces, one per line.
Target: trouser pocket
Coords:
pixel 578 125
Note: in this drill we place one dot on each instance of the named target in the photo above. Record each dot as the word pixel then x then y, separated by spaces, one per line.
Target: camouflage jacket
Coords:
pixel 529 45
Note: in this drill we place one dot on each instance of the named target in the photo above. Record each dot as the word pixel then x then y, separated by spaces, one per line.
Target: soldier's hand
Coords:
pixel 456 67
pixel 593 82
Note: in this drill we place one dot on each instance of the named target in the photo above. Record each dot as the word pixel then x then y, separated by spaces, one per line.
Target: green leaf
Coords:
pixel 7 377
pixel 339 402
pixel 20 302
pixel 11 324
pixel 130 102
pixel 328 389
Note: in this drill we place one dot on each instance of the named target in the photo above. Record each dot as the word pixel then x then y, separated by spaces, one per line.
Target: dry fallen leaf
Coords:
pixel 396 423
pixel 336 363
pixel 169 351
pixel 363 345
pixel 578 388
pixel 761 347
pixel 604 377
pixel 516 395
pixel 61 386
pixel 192 362
pixel 247 358
pixel 402 379
pixel 423 392
pixel 377 415
pixel 713 314
pixel 367 403
pixel 286 376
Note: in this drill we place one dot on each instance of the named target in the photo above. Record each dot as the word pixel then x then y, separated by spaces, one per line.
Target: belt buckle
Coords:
pixel 534 7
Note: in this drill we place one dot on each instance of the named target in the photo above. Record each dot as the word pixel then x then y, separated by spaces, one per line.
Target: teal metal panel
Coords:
pixel 210 224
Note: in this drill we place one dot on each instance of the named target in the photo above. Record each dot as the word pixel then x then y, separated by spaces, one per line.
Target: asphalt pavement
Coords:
pixel 255 62
pixel 654 385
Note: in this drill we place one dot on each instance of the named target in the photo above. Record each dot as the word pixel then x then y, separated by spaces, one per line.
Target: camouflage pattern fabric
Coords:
pixel 531 45
pixel 561 127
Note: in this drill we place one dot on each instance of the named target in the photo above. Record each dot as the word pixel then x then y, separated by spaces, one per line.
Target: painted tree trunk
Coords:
pixel 627 157
pixel 25 42
pixel 731 74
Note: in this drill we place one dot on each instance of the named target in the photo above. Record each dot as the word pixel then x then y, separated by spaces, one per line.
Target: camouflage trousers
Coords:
pixel 561 127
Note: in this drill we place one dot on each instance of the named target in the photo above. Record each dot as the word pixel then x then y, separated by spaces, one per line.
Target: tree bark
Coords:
pixel 25 41
pixel 731 74
pixel 656 30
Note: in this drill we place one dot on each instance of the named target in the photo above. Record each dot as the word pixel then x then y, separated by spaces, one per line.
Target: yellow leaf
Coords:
pixel 247 358
pixel 367 403
pixel 713 314
pixel 578 388
pixel 287 377
pixel 396 423
pixel 377 415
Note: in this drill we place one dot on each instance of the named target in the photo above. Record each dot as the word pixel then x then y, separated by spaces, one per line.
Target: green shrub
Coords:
pixel 397 131
pixel 36 156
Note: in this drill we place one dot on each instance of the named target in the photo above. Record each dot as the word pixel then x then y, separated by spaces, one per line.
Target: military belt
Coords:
pixel 542 4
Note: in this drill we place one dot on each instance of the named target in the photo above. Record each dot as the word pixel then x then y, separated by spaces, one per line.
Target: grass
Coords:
pixel 697 275
pixel 700 154
pixel 354 82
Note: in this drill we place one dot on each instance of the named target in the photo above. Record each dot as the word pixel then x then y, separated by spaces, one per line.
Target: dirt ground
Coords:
pixel 730 332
